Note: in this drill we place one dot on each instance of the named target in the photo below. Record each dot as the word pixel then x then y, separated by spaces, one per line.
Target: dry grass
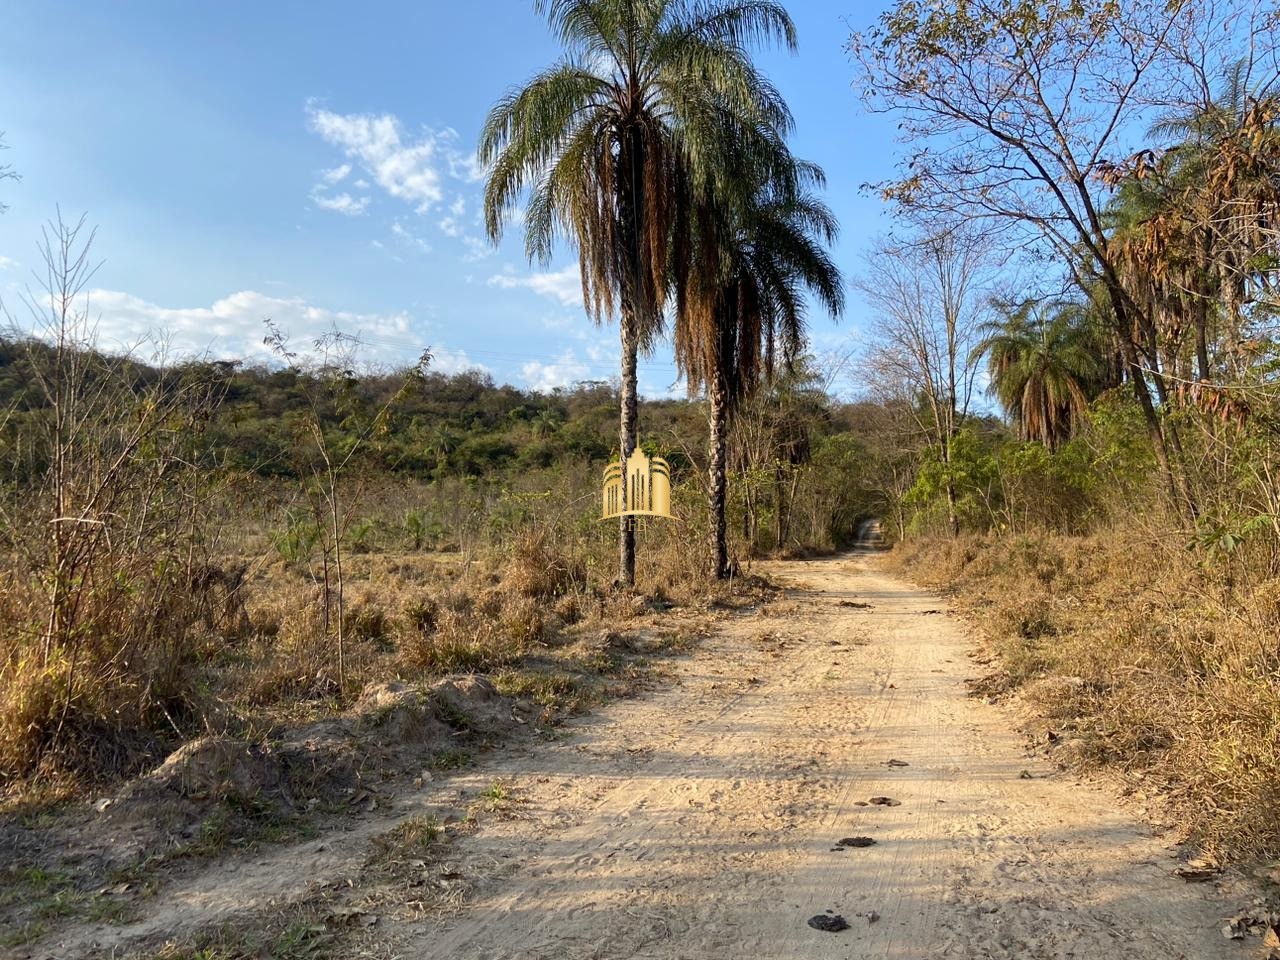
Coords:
pixel 555 645
pixel 1142 660
pixel 246 662
pixel 541 568
pixel 125 684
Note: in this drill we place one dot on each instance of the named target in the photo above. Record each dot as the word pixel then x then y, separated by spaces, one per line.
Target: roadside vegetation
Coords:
pixel 1064 409
pixel 198 549
pixel 1101 257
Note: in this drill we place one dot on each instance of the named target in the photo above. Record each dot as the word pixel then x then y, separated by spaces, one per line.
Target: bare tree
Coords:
pixel 928 298
pixel 103 514
pixel 336 433
pixel 6 171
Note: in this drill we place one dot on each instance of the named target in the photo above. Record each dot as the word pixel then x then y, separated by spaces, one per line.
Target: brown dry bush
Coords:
pixel 123 689
pixel 465 639
pixel 544 565
pixel 674 560
pixel 113 597
pixel 1142 658
pixel 292 657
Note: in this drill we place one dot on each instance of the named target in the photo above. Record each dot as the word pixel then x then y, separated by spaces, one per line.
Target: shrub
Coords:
pixel 540 566
pixel 1142 658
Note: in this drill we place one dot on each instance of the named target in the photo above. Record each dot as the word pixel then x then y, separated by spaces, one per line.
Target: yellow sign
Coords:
pixel 646 485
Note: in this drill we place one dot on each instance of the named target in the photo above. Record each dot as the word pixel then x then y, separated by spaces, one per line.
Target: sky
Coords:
pixel 313 163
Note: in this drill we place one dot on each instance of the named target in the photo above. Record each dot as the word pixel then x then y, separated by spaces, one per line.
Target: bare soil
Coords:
pixel 705 819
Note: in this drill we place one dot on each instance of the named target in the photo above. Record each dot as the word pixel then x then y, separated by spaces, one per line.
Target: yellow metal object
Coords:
pixel 644 489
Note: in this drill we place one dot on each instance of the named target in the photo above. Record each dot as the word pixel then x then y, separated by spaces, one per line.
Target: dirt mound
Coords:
pixel 208 768
pixel 396 722
pixel 473 703
pixel 392 728
pixel 219 789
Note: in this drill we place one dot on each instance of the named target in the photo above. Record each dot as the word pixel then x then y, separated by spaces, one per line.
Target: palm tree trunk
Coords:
pixel 717 477
pixel 627 527
pixel 629 166
pixel 1200 306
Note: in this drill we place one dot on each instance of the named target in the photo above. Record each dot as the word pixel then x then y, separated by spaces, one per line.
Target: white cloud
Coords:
pixel 336 175
pixel 233 327
pixel 342 203
pixel 455 227
pixel 409 238
pixel 477 249
pixel 406 167
pixel 563 372
pixel 453 361
pixel 462 165
pixel 563 285
pixel 561 322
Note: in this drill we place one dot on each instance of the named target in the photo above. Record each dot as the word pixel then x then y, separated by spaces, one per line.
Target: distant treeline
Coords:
pixel 440 425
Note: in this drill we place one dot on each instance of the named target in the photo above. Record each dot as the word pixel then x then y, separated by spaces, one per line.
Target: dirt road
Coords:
pixel 703 820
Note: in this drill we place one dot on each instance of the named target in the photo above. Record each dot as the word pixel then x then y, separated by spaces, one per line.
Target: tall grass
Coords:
pixel 148 595
pixel 110 589
pixel 1142 658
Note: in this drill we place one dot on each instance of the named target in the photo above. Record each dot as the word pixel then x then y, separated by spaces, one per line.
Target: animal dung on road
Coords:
pixel 856 842
pixel 884 802
pixel 856 605
pixel 1198 871
pixel 832 923
pixel 896 763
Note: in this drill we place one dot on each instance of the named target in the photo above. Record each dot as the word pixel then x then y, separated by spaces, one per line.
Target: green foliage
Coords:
pixel 971 472
pixel 1046 490
pixel 360 534
pixel 422 529
pixel 840 477
pixel 1044 362
pixel 1123 455
pixel 298 539
pixel 1007 485
pixel 461 425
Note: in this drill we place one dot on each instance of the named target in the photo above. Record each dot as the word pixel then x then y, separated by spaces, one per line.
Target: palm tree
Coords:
pixel 1207 216
pixel 1043 362
pixel 546 424
pixel 743 304
pixel 441 445
pixel 640 107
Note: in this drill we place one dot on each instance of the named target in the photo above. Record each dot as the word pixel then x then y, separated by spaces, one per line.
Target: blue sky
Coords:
pixel 313 163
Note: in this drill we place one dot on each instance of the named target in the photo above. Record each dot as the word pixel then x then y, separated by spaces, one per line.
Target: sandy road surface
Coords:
pixel 700 822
